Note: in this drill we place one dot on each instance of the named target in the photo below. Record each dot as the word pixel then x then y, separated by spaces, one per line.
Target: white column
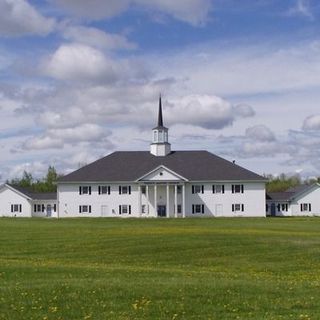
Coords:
pixel 183 201
pixel 139 201
pixel 147 194
pixel 155 200
pixel 175 201
pixel 168 202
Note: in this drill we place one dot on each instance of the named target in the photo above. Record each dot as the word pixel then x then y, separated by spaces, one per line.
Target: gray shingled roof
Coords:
pixel 279 196
pixel 35 195
pixel 131 165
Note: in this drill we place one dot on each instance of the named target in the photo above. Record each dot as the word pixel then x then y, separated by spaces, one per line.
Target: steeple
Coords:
pixel 160 145
pixel 160 120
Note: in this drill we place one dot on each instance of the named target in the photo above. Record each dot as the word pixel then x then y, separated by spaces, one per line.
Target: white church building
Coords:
pixel 161 183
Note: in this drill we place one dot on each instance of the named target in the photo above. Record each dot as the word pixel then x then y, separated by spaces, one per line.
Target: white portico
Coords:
pixel 161 193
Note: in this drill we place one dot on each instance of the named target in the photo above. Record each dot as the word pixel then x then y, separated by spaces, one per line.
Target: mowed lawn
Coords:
pixel 160 268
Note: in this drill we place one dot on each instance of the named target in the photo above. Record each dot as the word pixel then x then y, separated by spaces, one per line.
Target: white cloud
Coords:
pixel 18 17
pixel 301 8
pixel 243 111
pixel 81 63
pixel 312 122
pixel 194 12
pixel 260 133
pixel 57 138
pixel 201 110
pixel 97 38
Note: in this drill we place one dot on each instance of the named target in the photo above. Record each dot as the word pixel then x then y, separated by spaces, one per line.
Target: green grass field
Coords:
pixel 160 269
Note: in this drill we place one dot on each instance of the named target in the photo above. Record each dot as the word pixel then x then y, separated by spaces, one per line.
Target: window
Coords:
pixel 237 207
pixel 237 188
pixel 197 189
pixel 305 207
pixel 161 173
pixel 39 209
pixel 84 190
pixel 179 189
pixel 16 208
pixel 104 189
pixel 124 189
pixel 124 209
pixel 155 135
pixel 84 209
pixel 143 189
pixel 197 208
pixel 143 208
pixel 284 207
pixel 218 188
pixel 179 208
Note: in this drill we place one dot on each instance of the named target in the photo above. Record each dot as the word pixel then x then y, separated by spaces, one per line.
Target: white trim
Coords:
pixel 16 191
pixel 165 168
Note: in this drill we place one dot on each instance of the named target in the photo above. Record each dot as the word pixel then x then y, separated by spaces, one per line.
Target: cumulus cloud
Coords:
pixel 203 110
pixel 18 17
pixel 243 111
pixel 81 63
pixel 97 38
pixel 312 122
pixel 194 12
pixel 260 133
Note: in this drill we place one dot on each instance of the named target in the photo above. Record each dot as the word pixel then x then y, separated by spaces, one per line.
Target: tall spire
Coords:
pixel 160 120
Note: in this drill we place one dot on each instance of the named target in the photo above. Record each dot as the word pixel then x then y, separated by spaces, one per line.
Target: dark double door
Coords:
pixel 162 212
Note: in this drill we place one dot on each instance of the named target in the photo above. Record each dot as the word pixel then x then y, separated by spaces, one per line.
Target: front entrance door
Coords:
pixel 162 211
pixel 49 210
pixel 273 209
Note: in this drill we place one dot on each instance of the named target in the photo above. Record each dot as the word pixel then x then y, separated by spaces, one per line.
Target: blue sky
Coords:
pixel 80 79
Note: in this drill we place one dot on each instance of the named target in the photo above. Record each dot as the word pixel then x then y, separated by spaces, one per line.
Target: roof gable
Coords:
pixel 16 190
pixel 161 173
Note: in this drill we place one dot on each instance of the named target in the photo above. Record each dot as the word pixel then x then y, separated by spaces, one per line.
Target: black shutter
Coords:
pixel 278 206
pixel 129 209
pixel 242 207
pixel 119 189
pixel 301 207
pixel 119 209
pixel 233 208
pixel 309 206
pixel 108 189
pixel 242 188
pixel 99 190
pixel 202 189
pixel 89 190
pixel 54 207
pixel 233 188
pixel 202 208
pixel 80 190
pixel 35 208
pixel 193 208
pixel 89 209
pixel 80 209
pixel 43 208
pixel 223 188
pixel 129 189
pixel 12 208
pixel 192 192
pixel 213 189
pixel 20 208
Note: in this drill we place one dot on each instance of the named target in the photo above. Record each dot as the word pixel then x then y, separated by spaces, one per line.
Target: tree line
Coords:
pixel 283 182
pixel 49 182
pixel 46 184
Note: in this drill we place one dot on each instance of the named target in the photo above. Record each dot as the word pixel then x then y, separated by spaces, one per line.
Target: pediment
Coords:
pixel 162 174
